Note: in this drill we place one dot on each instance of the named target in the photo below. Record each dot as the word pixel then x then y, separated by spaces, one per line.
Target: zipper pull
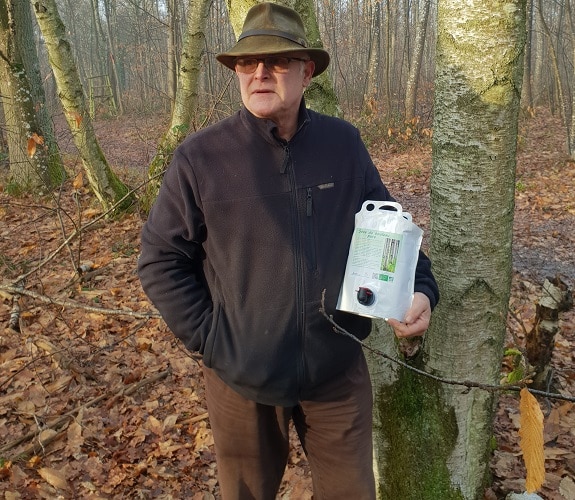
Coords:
pixel 309 203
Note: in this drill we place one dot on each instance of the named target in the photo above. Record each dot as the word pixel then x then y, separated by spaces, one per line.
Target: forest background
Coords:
pixel 127 56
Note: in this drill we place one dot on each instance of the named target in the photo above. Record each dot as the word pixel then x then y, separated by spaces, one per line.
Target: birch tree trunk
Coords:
pixel 35 163
pixel 104 183
pixel 186 99
pixel 432 440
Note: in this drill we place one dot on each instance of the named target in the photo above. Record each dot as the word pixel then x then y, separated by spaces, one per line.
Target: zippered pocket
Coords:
pixel 311 243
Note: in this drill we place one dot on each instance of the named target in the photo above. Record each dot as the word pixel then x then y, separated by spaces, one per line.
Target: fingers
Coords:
pixel 416 319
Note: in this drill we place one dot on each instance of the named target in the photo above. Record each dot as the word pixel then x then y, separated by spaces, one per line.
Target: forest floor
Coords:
pixel 97 398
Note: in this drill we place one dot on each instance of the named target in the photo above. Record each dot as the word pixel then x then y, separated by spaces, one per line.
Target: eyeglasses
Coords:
pixel 276 64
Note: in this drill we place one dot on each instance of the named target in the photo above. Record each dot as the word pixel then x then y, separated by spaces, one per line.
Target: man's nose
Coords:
pixel 261 69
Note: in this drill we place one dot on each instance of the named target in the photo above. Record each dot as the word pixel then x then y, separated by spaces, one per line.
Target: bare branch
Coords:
pixel 465 383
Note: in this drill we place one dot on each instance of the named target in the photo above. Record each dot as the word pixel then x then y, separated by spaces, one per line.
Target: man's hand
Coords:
pixel 416 319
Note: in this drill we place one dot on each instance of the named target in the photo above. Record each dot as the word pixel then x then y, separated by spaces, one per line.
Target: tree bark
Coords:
pixel 432 440
pixel 371 95
pixel 35 163
pixel 186 99
pixel 417 59
pixel 558 82
pixel 540 340
pixel 527 89
pixel 104 183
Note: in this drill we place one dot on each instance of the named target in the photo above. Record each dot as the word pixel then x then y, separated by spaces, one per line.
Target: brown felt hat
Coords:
pixel 273 29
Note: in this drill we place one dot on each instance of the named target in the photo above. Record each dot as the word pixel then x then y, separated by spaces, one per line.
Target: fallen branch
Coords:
pixel 65 419
pixel 465 383
pixel 77 305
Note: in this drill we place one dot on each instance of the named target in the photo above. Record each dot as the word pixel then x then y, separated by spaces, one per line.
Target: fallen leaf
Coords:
pixel 90 213
pixel 31 147
pixel 78 182
pixel 531 434
pixel 154 425
pixel 169 422
pixel 567 488
pixel 54 477
pixel 75 438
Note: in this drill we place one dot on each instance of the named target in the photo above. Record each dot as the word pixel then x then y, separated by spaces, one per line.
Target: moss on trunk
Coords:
pixel 420 432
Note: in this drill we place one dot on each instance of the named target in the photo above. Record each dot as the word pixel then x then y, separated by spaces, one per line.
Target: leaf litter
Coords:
pixel 97 405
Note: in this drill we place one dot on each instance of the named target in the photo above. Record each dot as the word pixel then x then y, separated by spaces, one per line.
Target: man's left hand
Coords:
pixel 416 319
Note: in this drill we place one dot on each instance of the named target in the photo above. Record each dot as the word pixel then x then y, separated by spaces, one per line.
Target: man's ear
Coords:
pixel 309 68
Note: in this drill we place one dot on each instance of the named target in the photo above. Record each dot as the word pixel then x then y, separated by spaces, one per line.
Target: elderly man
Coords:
pixel 253 221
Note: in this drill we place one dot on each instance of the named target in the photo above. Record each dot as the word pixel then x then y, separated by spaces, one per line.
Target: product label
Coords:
pixel 376 251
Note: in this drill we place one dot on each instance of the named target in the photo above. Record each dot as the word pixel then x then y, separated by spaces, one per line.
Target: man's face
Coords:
pixel 275 95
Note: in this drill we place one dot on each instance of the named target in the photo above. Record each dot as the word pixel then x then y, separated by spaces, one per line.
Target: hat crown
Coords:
pixel 270 28
pixel 275 20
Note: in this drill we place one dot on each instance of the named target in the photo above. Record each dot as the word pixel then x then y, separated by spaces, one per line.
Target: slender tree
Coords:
pixel 416 61
pixel 559 82
pixel 173 52
pixel 320 94
pixel 527 89
pixel 111 27
pixel 186 99
pixel 373 66
pixel 35 163
pixel 432 440
pixel 104 183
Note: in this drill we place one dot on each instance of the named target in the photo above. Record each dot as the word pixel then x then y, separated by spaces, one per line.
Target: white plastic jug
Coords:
pixel 380 272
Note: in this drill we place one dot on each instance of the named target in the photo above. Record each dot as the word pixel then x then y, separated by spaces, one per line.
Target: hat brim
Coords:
pixel 269 44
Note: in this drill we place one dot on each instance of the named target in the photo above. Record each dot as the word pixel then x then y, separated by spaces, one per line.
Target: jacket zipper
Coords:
pixel 299 264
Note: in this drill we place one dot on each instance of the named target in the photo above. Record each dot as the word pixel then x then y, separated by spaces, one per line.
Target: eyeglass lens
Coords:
pixel 277 64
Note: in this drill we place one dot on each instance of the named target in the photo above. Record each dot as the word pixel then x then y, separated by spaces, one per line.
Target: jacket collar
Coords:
pixel 266 128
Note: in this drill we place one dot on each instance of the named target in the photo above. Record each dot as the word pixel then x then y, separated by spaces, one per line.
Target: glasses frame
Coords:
pixel 268 63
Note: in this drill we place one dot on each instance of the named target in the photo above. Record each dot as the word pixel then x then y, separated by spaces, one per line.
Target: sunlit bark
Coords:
pixel 35 163
pixel 104 183
pixel 432 440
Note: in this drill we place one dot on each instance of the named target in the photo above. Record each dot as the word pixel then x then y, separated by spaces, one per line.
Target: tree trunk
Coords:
pixel 527 89
pixel 540 340
pixel 106 186
pixel 112 56
pixel 433 440
pixel 558 82
pixel 369 106
pixel 186 102
pixel 414 70
pixel 35 163
pixel 320 94
pixel 172 51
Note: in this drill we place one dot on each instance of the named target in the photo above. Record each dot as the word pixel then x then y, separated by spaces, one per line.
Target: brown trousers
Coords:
pixel 252 442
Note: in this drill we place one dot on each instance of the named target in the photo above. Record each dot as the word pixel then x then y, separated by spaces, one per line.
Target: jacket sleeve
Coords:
pixel 376 190
pixel 170 262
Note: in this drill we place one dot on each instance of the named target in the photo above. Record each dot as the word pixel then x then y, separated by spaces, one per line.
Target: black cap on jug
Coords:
pixel 365 296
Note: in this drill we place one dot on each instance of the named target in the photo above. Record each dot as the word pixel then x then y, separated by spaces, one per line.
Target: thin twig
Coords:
pixel 465 383
pixel 79 231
